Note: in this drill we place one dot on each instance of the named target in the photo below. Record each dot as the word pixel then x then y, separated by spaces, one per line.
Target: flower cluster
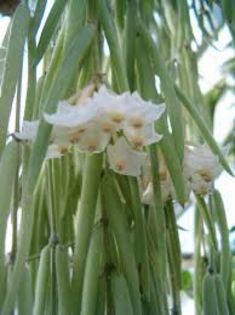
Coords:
pixel 200 168
pixel 92 124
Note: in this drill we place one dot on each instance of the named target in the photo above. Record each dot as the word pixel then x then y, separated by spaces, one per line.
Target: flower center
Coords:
pixel 137 141
pixel 92 145
pixel 206 175
pixel 117 117
pixel 81 129
pixel 107 127
pixel 63 150
pixel 137 122
pixel 120 165
pixel 74 138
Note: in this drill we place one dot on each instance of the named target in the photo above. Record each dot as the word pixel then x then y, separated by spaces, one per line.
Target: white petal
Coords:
pixel 147 197
pixel 124 160
pixel 29 130
pixel 72 117
pixel 144 114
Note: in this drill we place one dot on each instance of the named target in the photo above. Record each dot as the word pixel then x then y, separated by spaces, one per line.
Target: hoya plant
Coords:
pixel 105 137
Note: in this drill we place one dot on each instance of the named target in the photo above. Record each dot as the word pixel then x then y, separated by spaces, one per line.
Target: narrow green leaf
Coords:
pixel 202 206
pixel 42 282
pixel 84 223
pixel 8 167
pixel 142 258
pixel 130 42
pixel 37 17
pixel 171 100
pixel 75 18
pixel 92 273
pixel 158 216
pixel 209 296
pixel 225 255
pixel 221 295
pixel 12 67
pixel 121 296
pixel 118 223
pixel 49 28
pixel 25 294
pixel 120 8
pixel 114 46
pixel 63 281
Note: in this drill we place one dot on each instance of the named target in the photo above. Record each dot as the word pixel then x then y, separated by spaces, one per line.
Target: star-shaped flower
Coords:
pixel 124 160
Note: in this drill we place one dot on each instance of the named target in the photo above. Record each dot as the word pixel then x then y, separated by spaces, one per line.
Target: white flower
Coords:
pixel 201 167
pixel 93 139
pixel 142 136
pixel 124 160
pixel 29 130
pixel 140 112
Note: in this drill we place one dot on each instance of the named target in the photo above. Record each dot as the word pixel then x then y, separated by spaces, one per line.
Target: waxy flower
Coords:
pixel 124 160
pixel 201 167
pixel 141 113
